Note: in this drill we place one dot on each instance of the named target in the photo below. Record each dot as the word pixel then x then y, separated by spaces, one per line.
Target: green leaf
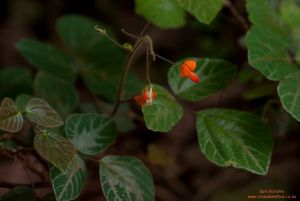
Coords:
pixel 94 50
pixel 125 178
pixel 11 120
pixel 264 13
pixel 47 58
pixel 268 53
pixel 14 81
pixel 90 133
pixel 214 75
pixel 290 12
pixel 162 13
pixel 164 112
pixel 233 138
pixel 19 193
pixel 61 95
pixel 22 100
pixel 54 148
pixel 40 113
pixel 289 93
pixel 105 83
pixel 205 11
pixel 69 184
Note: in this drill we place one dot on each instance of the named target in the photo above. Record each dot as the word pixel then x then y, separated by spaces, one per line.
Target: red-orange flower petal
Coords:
pixel 194 77
pixel 146 95
pixel 140 100
pixel 184 71
pixel 191 64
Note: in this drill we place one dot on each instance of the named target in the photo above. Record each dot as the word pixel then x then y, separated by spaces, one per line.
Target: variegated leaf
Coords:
pixel 40 113
pixel 54 148
pixel 11 120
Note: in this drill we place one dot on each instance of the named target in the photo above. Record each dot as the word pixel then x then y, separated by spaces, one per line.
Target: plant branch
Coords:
pixel 130 57
pixel 237 15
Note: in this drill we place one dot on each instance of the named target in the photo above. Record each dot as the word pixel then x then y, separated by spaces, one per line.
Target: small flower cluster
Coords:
pixel 149 94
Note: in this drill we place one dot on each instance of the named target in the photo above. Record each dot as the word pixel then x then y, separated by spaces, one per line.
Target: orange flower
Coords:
pixel 187 70
pixel 147 96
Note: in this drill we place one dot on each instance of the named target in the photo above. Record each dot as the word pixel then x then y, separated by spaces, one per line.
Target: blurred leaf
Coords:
pixel 40 113
pixel 54 148
pixel 165 14
pixel 164 112
pixel 60 95
pixel 47 58
pixel 9 144
pixel 259 91
pixel 22 100
pixel 125 178
pixel 249 74
pixel 11 119
pixel 205 11
pixel 49 197
pixel 268 53
pixel 69 184
pixel 233 138
pixel 105 83
pixel 19 193
pixel 14 81
pixel 263 13
pixel 290 13
pixel 87 107
pixel 91 48
pixel 90 133
pixel 158 156
pixel 124 122
pixel 214 75
pixel 289 93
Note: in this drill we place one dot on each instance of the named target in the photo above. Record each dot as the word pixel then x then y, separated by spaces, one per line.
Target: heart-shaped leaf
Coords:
pixel 125 178
pixel 163 113
pixel 214 75
pixel 69 184
pixel 11 120
pixel 289 93
pixel 233 138
pixel 54 148
pixel 40 113
pixel 90 133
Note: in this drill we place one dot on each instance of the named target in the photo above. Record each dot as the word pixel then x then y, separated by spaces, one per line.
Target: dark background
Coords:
pixel 180 170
